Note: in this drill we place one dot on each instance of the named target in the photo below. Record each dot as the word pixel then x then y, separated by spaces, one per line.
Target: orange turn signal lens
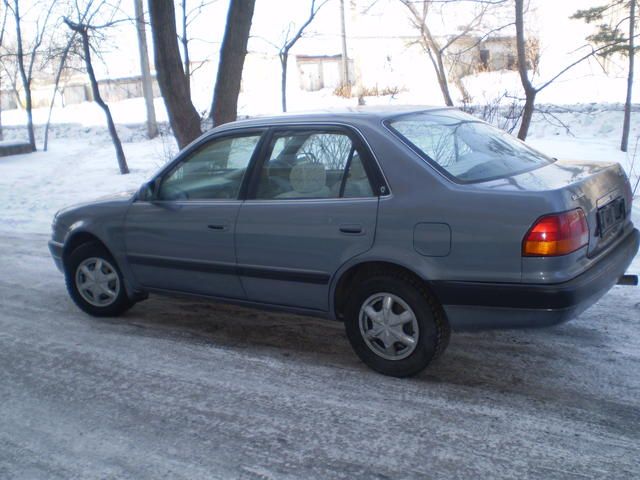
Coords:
pixel 557 234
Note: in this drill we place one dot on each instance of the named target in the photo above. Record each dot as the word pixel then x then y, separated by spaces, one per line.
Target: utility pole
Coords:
pixel 147 85
pixel 345 58
pixel 355 49
pixel 626 128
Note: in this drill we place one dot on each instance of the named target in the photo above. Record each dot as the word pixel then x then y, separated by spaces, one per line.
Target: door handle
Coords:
pixel 351 229
pixel 218 227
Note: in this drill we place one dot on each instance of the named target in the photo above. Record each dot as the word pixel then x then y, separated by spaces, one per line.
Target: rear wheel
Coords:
pixel 394 325
pixel 95 282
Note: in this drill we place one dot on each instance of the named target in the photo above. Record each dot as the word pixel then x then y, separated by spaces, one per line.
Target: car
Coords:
pixel 403 223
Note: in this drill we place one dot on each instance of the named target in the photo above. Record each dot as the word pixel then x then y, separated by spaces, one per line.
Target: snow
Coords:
pixel 88 114
pixel 572 89
pixel 75 169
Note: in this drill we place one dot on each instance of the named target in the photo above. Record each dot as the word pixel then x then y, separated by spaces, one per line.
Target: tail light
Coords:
pixel 557 234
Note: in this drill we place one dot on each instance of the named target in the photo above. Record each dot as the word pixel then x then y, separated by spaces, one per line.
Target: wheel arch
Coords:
pixel 77 238
pixel 347 278
pixel 81 236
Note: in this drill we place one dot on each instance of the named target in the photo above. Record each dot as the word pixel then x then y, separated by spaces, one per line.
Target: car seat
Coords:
pixel 308 180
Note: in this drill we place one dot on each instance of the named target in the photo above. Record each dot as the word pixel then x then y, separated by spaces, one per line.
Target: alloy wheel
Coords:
pixel 388 326
pixel 97 282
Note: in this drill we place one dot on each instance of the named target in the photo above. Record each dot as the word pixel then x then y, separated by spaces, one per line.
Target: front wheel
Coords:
pixel 94 281
pixel 395 325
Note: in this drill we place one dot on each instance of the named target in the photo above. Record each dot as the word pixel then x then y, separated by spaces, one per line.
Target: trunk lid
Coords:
pixel 601 189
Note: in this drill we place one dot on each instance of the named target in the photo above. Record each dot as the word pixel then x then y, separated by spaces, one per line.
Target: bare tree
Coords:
pixel 59 53
pixel 9 67
pixel 611 34
pixel 290 40
pixel 183 116
pixel 224 107
pixel 62 60
pixel 184 39
pixel 147 85
pixel 26 65
pixel 420 11
pixel 626 128
pixel 187 16
pixel 530 90
pixel 4 24
pixel 82 27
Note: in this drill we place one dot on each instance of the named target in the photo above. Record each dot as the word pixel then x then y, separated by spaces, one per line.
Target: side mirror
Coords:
pixel 146 192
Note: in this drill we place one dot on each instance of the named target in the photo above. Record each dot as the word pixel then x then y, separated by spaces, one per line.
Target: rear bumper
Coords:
pixel 476 305
pixel 56 252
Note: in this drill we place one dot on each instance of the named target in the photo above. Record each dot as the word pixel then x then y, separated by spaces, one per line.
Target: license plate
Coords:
pixel 610 215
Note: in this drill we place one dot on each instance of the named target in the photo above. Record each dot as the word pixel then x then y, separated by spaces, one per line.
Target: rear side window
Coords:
pixel 464 147
pixel 312 164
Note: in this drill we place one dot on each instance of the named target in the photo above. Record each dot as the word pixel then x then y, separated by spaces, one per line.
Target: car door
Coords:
pixel 182 239
pixel 311 206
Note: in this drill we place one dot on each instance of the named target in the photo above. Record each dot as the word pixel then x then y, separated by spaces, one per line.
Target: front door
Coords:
pixel 310 209
pixel 183 238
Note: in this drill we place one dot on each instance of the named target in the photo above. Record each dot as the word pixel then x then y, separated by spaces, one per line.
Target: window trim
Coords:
pixel 196 145
pixel 347 170
pixel 374 174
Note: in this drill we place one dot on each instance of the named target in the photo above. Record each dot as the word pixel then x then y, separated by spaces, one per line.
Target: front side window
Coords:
pixel 312 164
pixel 213 172
pixel 466 148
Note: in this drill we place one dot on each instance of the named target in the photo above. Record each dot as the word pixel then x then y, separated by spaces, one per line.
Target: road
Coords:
pixel 187 390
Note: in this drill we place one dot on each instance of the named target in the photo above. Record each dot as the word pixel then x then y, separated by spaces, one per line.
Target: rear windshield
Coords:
pixel 464 147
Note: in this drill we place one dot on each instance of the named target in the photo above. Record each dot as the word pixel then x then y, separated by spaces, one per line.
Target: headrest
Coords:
pixel 308 177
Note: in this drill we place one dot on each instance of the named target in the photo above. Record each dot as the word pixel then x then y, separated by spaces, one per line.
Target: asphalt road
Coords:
pixel 187 390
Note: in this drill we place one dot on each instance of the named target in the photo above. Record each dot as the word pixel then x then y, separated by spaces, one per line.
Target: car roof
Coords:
pixel 349 115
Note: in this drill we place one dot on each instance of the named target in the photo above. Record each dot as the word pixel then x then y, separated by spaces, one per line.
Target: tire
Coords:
pixel 428 326
pixel 109 297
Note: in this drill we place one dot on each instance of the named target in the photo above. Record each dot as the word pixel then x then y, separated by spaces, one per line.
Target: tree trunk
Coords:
pixel 527 114
pixel 183 117
pixel 224 107
pixel 26 82
pixel 56 84
pixel 284 58
pixel 29 109
pixel 442 79
pixel 185 47
pixel 86 49
pixel 529 90
pixel 626 128
pixel 147 85
pixel 432 47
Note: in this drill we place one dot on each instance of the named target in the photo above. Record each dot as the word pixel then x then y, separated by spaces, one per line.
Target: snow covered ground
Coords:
pixel 188 389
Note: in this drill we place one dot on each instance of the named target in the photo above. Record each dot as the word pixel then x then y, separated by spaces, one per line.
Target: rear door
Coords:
pixel 183 238
pixel 312 205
